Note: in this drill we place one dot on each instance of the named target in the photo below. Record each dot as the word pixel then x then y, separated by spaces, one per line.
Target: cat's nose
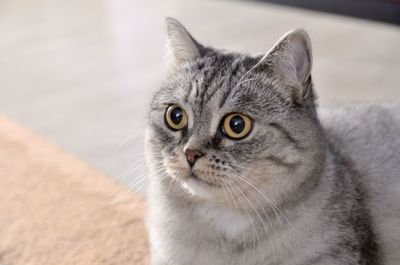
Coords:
pixel 192 156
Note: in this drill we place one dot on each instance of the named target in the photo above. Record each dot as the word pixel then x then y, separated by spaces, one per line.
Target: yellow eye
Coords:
pixel 176 118
pixel 237 126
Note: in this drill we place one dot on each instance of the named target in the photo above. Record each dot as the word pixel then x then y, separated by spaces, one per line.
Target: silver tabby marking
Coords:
pixel 299 189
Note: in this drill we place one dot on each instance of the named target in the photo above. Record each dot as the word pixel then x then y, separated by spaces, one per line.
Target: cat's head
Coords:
pixel 227 125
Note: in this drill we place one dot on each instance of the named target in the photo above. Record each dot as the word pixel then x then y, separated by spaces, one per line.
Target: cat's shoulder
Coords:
pixel 361 115
pixel 369 137
pixel 362 126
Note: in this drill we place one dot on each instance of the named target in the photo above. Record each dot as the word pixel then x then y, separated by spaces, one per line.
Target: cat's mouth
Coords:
pixel 199 179
pixel 196 180
pixel 195 177
pixel 197 186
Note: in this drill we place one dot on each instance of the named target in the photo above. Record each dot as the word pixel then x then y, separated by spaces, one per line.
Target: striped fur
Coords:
pixel 295 191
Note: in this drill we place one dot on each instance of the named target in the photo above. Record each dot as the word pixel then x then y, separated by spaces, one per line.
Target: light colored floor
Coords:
pixel 81 72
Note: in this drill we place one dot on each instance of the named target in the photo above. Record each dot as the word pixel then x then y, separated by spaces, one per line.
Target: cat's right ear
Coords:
pixel 291 58
pixel 181 46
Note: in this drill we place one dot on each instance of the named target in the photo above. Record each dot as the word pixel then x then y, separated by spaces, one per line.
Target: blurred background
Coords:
pixel 81 72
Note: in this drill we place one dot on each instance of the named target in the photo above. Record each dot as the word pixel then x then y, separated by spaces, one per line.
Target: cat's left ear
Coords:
pixel 291 58
pixel 181 46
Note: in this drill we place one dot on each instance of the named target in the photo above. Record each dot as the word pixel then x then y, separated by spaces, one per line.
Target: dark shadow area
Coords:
pixel 379 10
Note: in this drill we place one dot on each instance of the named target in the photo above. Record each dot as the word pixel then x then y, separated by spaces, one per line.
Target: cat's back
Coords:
pixel 370 137
pixel 368 134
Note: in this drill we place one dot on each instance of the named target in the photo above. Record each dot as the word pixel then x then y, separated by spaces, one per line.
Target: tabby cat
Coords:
pixel 245 170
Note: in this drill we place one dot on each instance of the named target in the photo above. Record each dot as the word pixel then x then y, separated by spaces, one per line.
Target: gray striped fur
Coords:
pixel 304 187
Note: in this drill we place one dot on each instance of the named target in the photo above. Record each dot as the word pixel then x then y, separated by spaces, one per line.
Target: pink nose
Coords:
pixel 192 156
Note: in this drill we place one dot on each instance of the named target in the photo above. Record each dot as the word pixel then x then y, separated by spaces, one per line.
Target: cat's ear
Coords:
pixel 291 58
pixel 181 46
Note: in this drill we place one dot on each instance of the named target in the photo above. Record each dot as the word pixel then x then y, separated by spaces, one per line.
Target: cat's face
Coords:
pixel 227 127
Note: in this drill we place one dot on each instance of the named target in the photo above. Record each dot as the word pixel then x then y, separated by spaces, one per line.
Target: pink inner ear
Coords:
pixel 301 58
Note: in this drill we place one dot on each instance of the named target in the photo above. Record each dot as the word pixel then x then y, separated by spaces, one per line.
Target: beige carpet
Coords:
pixel 56 210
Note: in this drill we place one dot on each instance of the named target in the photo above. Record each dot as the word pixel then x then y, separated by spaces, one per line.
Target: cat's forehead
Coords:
pixel 220 83
pixel 226 81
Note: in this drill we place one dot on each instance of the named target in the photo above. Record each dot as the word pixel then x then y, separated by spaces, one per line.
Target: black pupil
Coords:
pixel 176 115
pixel 236 124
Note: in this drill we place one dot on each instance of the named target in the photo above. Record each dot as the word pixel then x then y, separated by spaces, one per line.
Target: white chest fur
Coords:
pixel 226 220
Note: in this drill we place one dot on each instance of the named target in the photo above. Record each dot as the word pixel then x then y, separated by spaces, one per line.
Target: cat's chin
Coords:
pixel 197 188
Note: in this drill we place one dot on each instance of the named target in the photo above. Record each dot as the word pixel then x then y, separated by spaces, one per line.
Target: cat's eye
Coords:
pixel 175 117
pixel 236 126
